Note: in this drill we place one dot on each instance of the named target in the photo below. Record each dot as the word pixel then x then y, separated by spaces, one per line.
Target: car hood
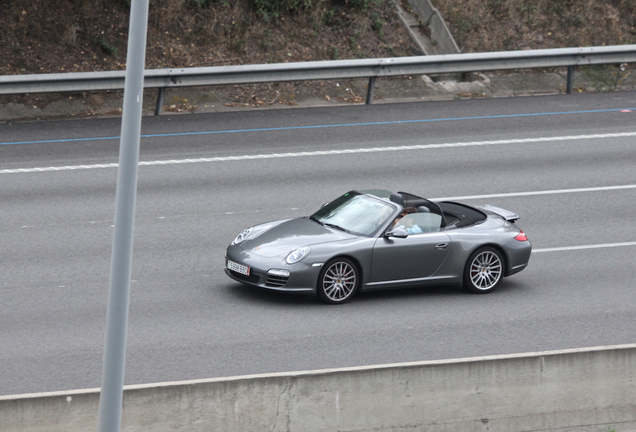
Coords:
pixel 292 234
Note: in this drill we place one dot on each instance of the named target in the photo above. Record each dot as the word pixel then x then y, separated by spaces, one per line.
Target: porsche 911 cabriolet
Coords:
pixel 376 239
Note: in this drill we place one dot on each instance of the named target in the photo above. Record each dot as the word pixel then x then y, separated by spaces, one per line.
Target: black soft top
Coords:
pixel 460 215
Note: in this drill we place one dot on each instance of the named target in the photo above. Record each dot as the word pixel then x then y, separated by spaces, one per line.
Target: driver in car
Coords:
pixel 407 224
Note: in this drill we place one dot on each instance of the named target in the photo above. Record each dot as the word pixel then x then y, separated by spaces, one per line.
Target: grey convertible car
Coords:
pixel 376 239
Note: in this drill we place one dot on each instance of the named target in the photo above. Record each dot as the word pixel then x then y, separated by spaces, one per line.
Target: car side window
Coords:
pixel 418 223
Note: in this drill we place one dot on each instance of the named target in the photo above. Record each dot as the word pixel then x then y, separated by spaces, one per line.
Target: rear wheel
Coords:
pixel 484 270
pixel 338 281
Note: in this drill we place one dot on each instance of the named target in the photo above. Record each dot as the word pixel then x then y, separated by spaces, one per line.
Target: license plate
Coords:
pixel 245 270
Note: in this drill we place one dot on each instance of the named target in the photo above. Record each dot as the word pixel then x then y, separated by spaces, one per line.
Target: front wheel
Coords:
pixel 338 281
pixel 484 270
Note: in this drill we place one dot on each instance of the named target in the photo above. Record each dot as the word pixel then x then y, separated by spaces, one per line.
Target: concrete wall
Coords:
pixel 583 390
pixel 440 34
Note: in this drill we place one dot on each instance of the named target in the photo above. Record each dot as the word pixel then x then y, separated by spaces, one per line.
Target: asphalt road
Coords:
pixel 565 163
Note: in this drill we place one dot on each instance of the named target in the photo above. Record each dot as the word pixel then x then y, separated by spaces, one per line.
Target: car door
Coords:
pixel 404 260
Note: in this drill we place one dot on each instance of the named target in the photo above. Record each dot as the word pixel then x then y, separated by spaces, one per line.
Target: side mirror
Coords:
pixel 397 233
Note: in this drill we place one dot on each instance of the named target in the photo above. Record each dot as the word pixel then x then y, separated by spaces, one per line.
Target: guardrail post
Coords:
pixel 159 105
pixel 570 80
pixel 370 91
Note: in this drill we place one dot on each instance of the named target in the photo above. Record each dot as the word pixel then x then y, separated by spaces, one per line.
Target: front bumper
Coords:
pixel 302 276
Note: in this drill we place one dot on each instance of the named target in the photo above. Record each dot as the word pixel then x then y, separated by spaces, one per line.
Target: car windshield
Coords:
pixel 356 213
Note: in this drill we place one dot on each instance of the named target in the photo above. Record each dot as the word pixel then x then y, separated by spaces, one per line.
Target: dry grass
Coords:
pixel 47 36
pixel 42 36
pixel 502 25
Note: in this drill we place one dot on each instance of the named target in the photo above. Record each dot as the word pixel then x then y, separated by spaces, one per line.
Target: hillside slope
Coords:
pixel 42 36
pixel 505 25
pixel 48 36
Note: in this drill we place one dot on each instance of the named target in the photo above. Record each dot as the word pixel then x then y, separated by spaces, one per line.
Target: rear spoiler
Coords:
pixel 506 214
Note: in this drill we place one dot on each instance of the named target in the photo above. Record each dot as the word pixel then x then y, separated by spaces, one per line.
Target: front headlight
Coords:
pixel 243 235
pixel 297 255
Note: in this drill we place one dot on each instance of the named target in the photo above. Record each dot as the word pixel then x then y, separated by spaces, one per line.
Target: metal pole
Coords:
pixel 370 90
pixel 110 401
pixel 570 80
pixel 159 105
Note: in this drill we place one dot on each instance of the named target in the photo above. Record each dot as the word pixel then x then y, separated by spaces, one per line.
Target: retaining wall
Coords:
pixel 572 390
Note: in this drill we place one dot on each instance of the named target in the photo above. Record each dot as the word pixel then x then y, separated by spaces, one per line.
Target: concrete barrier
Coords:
pixel 440 34
pixel 591 389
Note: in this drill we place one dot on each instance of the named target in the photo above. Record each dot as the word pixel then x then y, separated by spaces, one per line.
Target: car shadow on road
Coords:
pixel 407 293
pixel 251 294
pixel 431 291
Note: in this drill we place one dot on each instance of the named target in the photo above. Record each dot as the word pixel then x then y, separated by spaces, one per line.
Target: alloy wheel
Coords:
pixel 339 281
pixel 485 270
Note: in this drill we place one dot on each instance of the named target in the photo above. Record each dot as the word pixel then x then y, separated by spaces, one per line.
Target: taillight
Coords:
pixel 521 237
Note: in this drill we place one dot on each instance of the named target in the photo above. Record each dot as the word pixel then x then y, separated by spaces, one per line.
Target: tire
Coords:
pixel 338 281
pixel 484 270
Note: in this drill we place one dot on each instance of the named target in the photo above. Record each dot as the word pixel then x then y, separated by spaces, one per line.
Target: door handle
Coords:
pixel 441 246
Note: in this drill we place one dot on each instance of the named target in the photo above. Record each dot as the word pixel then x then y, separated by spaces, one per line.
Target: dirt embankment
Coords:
pixel 88 35
pixel 48 36
pixel 505 25
pixel 45 36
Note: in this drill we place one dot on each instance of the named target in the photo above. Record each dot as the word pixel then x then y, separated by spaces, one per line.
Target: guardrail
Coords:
pixel 324 70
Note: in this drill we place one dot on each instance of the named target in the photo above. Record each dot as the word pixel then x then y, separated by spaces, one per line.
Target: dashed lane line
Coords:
pixel 534 193
pixel 326 152
pixel 583 247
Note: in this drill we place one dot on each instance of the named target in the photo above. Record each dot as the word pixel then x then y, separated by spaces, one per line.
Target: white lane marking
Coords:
pixel 327 152
pixel 57 168
pixel 532 193
pixel 582 247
